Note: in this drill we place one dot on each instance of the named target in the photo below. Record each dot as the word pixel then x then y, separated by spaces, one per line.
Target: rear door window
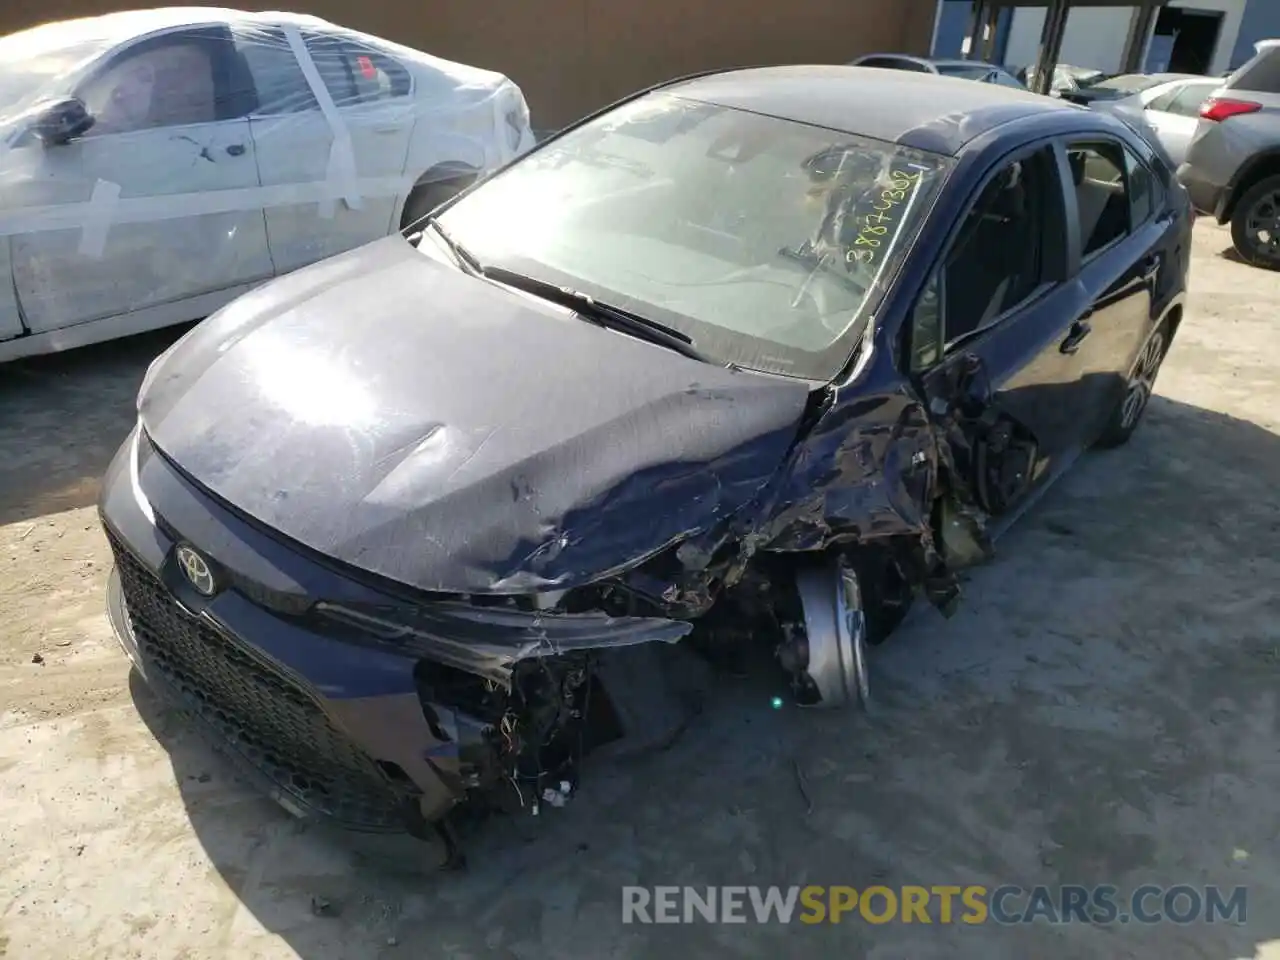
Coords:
pixel 357 74
pixel 280 83
pixel 1141 189
pixel 1102 194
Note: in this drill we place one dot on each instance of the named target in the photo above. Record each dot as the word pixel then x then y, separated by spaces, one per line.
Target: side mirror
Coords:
pixel 61 121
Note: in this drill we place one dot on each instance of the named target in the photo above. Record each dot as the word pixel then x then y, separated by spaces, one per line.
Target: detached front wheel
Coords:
pixel 1255 225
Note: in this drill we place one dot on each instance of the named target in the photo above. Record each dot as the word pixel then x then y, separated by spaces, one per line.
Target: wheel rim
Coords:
pixel 1142 381
pixel 851 617
pixel 1262 225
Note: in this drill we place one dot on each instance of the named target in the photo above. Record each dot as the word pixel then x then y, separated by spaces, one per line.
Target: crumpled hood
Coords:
pixel 419 423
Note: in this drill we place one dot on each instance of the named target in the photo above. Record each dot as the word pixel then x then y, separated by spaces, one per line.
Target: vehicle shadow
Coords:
pixel 1100 711
pixel 62 417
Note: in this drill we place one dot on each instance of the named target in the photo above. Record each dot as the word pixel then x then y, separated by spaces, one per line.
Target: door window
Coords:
pixel 278 79
pixel 354 73
pixel 1000 258
pixel 1141 189
pixel 163 84
pixel 1102 196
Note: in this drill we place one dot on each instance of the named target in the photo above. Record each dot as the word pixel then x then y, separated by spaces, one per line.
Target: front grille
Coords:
pixel 264 714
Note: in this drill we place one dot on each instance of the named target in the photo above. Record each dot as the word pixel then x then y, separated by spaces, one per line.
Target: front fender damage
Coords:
pixel 878 486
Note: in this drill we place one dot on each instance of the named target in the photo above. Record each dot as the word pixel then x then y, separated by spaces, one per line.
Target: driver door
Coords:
pixel 165 136
pixel 993 337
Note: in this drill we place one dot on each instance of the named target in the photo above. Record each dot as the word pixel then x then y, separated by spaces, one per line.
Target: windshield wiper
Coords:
pixel 604 314
pixel 465 257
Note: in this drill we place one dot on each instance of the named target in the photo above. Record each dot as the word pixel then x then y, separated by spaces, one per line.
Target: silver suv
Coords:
pixel 1232 170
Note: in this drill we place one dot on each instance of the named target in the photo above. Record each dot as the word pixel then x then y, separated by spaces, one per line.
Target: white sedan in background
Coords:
pixel 156 164
pixel 1168 104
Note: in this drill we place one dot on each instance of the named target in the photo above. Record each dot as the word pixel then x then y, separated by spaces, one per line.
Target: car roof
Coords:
pixel 920 110
pixel 126 24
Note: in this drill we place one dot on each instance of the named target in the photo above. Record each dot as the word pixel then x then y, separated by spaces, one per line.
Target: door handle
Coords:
pixel 388 128
pixel 1075 336
pixel 235 149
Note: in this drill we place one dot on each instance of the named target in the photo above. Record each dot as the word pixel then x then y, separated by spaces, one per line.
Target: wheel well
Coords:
pixel 440 174
pixel 1173 318
pixel 1265 166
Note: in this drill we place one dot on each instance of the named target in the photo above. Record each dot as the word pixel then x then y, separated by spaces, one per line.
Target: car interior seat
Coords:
pixel 1103 205
pixel 991 264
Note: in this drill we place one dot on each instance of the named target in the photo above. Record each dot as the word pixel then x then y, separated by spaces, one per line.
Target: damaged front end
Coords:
pixel 449 615
pixel 811 571
pixel 391 709
pixel 515 696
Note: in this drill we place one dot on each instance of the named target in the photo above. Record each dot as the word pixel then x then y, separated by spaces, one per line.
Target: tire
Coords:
pixel 1128 413
pixel 1258 212
pixel 425 197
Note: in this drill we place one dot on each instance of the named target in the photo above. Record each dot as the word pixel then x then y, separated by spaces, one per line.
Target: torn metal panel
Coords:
pixel 488 641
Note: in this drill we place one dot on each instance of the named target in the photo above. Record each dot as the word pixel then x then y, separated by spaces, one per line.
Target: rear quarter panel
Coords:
pixel 456 126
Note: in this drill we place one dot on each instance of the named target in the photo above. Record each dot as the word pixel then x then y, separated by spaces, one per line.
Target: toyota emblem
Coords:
pixel 196 569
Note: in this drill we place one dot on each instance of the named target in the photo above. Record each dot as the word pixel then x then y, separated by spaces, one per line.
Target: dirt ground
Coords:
pixel 1102 710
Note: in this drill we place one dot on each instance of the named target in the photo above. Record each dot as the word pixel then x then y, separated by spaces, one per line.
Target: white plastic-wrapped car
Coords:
pixel 155 164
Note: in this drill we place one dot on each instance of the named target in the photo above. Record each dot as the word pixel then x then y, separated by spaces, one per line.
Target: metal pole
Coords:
pixel 977 18
pixel 1055 25
pixel 990 28
pixel 1135 45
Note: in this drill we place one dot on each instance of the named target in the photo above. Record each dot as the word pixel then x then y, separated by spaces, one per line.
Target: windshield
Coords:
pixel 32 61
pixel 768 242
pixel 1067 77
pixel 1125 84
pixel 967 71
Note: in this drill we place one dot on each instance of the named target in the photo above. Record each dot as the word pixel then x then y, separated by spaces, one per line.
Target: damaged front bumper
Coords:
pixel 319 687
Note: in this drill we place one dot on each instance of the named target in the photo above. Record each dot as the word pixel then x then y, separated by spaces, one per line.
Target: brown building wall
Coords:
pixel 573 56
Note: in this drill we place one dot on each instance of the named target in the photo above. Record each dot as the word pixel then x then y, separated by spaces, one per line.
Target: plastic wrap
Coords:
pixel 156 164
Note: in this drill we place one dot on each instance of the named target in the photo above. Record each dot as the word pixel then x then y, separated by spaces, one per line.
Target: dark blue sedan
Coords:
pixel 751 359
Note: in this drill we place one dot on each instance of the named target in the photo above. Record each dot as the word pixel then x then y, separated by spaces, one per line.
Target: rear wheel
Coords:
pixel 1255 225
pixel 1142 380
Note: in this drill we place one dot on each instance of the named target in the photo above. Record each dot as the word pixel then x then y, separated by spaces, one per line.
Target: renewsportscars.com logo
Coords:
pixel 942 904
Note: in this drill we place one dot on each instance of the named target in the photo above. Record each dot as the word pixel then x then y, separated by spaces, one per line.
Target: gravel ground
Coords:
pixel 1102 710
